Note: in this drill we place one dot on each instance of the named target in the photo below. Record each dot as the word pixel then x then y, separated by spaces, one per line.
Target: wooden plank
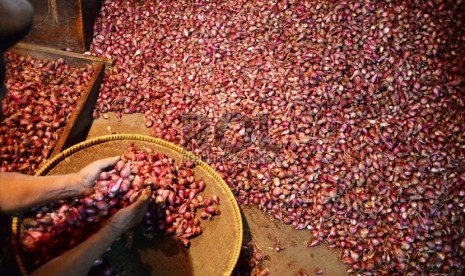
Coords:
pixel 90 10
pixel 72 58
pixel 80 121
pixel 64 23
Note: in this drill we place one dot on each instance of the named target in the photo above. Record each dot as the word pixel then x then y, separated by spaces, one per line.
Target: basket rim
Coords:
pixel 51 163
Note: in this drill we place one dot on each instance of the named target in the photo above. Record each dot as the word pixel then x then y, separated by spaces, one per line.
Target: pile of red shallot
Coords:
pixel 175 199
pixel 362 101
pixel 42 94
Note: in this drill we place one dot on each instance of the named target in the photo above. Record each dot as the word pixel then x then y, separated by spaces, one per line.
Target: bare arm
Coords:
pixel 79 260
pixel 18 191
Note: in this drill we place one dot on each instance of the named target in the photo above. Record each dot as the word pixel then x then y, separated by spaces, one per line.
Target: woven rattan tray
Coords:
pixel 215 252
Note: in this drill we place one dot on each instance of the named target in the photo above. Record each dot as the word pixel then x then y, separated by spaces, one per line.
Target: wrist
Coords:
pixel 112 230
pixel 74 184
pixel 64 186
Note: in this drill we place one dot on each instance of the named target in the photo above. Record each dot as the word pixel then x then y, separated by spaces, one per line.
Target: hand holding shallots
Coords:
pixel 87 175
pixel 132 215
pixel 79 260
pixel 19 192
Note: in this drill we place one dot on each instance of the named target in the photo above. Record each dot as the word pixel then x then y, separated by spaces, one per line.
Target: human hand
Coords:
pixel 132 215
pixel 87 175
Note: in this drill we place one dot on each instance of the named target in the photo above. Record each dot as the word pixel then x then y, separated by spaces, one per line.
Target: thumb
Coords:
pixel 145 195
pixel 142 200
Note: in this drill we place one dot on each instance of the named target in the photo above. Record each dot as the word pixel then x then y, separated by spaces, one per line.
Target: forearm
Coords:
pixel 79 260
pixel 18 191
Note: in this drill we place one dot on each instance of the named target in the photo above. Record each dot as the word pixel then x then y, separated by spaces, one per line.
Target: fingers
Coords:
pixel 87 175
pixel 142 203
pixel 104 163
pixel 143 198
pixel 133 214
pixel 138 209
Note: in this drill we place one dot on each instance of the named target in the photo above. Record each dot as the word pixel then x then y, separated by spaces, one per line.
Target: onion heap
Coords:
pixel 362 103
pixel 42 95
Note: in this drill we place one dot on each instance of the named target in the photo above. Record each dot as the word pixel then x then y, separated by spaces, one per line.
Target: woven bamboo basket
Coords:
pixel 215 252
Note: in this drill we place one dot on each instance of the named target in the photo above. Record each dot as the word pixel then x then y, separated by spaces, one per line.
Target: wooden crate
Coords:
pixel 64 24
pixel 80 121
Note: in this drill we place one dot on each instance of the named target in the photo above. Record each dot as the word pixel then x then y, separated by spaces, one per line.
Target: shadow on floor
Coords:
pixel 243 266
